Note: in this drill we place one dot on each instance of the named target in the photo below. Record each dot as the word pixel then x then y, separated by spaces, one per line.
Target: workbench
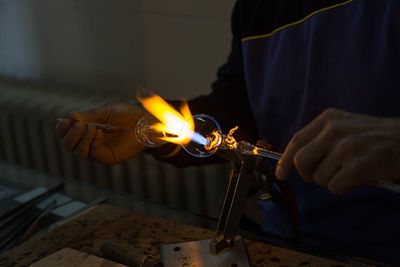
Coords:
pixel 89 230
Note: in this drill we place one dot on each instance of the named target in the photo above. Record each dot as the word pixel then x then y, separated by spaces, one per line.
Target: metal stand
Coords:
pixel 227 249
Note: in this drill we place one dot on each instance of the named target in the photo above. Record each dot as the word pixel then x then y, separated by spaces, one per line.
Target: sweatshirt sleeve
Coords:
pixel 227 103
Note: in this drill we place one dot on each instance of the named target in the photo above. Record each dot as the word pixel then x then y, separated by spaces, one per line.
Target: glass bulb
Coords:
pixel 203 142
pixel 205 128
pixel 146 134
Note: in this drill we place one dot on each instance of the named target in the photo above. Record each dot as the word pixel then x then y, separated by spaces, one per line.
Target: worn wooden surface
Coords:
pixel 68 257
pixel 87 232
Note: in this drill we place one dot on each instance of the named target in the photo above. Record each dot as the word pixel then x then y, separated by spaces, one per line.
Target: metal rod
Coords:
pixel 277 156
pixel 257 151
pixel 103 126
pixel 268 153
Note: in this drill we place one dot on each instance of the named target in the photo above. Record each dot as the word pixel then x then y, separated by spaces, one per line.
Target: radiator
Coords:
pixel 28 115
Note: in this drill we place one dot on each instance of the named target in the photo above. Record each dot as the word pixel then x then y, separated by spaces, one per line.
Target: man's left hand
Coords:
pixel 343 150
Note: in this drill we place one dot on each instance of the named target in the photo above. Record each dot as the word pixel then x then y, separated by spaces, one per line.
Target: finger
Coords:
pixel 98 141
pixel 83 146
pixel 96 150
pixel 301 138
pixel 348 178
pixel 76 116
pixel 327 169
pixel 73 135
pixel 309 157
pixel 304 136
pixel 62 127
pixel 87 116
pixel 99 151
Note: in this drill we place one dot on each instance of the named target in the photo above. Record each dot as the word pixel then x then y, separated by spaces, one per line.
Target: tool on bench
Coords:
pixel 121 252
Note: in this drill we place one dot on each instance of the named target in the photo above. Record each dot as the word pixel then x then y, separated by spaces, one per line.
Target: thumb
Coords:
pixel 86 116
pixel 99 151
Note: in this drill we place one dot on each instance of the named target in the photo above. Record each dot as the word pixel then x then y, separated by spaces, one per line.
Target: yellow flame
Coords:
pixel 179 125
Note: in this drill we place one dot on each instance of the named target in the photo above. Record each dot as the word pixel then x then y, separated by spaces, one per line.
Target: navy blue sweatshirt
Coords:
pixel 291 60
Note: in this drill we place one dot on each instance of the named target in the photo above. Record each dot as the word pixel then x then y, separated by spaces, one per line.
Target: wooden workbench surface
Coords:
pixel 88 231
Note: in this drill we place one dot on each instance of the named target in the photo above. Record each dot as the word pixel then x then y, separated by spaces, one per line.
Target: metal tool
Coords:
pixel 16 222
pixel 248 169
pixel 103 126
pixel 249 149
pixel 228 249
pixel 129 255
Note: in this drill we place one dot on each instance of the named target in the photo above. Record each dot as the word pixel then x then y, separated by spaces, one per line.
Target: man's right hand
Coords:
pixel 106 147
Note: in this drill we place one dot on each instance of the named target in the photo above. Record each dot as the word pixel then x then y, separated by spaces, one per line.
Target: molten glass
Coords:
pixel 169 125
pixel 200 135
pixel 202 143
pixel 205 140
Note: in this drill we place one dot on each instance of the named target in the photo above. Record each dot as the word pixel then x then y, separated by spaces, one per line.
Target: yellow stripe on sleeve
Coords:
pixel 293 23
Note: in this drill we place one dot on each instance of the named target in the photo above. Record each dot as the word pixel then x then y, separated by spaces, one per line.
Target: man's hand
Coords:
pixel 343 150
pixel 106 147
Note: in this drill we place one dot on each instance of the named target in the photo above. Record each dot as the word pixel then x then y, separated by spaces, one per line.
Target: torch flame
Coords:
pixel 179 126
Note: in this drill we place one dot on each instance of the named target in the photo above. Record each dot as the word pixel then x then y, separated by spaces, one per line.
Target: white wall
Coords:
pixel 171 47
